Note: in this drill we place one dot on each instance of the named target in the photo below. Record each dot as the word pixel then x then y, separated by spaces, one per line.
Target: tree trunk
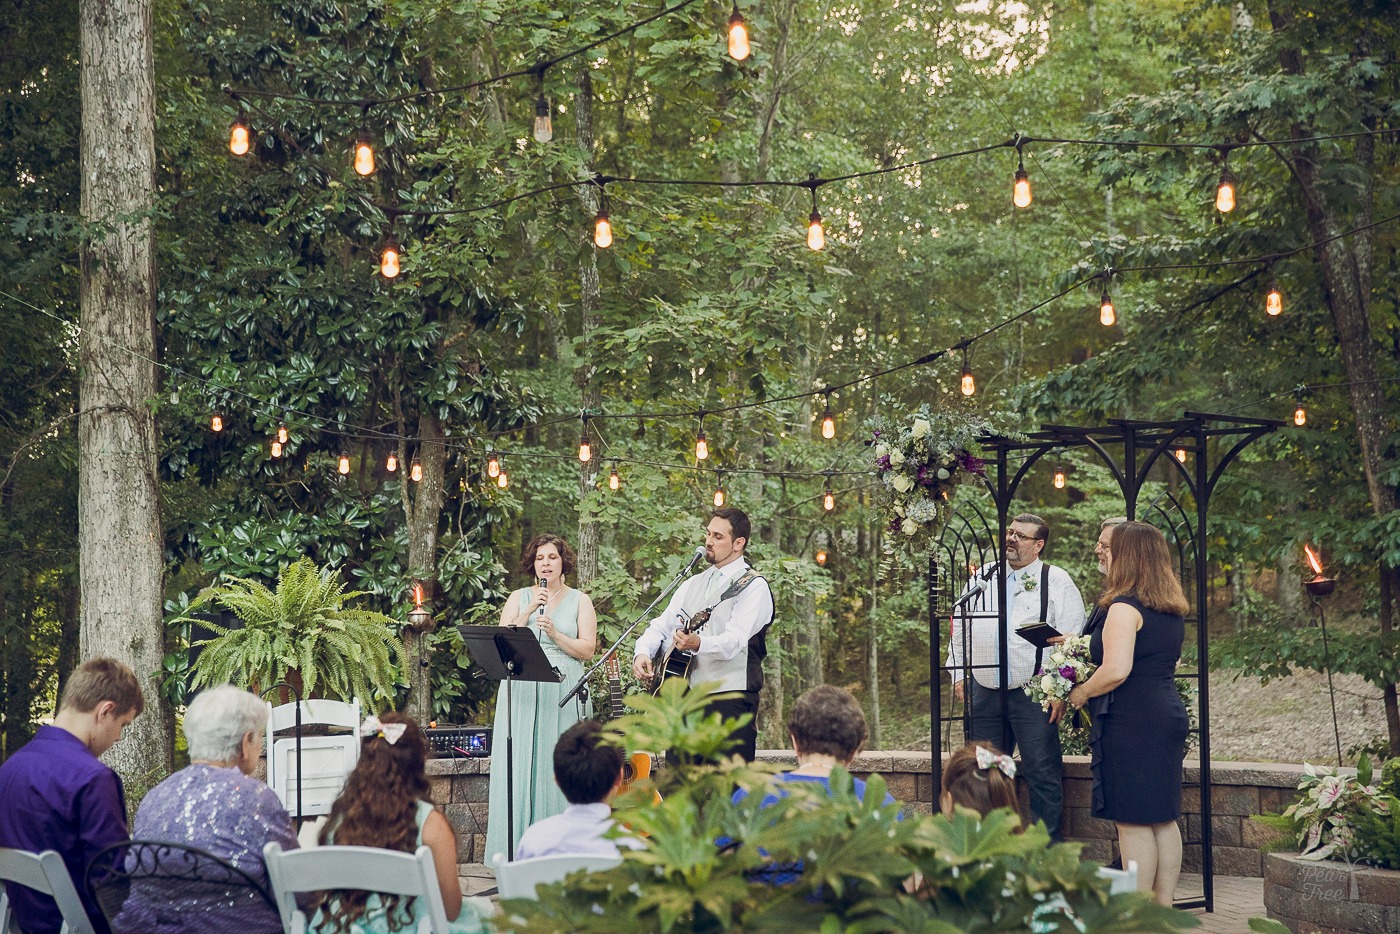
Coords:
pixel 590 303
pixel 873 657
pixel 423 509
pixel 120 542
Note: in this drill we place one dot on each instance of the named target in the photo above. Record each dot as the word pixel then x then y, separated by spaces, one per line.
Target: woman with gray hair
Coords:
pixel 214 805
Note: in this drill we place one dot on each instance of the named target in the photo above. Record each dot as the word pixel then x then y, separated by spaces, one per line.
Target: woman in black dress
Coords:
pixel 1138 738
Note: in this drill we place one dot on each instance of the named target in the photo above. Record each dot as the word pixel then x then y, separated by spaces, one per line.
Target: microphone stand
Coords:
pixel 645 614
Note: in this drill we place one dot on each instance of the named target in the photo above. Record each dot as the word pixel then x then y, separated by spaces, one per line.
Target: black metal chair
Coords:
pixel 149 887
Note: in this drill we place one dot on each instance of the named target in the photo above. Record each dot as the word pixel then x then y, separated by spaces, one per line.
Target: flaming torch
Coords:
pixel 419 619
pixel 1320 586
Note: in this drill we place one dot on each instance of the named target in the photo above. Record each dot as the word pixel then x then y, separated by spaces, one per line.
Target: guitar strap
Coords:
pixel 736 588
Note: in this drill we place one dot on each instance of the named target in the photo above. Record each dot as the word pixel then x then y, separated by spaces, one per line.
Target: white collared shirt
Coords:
pixel 753 609
pixel 577 832
pixel 1021 590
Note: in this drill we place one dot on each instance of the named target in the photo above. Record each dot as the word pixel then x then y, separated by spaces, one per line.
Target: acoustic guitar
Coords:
pixel 638 764
pixel 671 662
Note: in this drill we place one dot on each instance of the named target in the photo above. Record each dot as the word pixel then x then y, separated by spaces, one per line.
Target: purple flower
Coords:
pixel 883 462
pixel 1067 672
pixel 893 526
pixel 973 465
pixel 877 432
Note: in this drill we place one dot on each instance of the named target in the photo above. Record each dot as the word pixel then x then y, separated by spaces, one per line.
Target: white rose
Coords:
pixel 921 427
pixel 908 527
pixel 896 458
pixel 1047 684
pixel 882 449
pixel 943 473
pixel 902 483
pixel 1057 657
pixel 899 510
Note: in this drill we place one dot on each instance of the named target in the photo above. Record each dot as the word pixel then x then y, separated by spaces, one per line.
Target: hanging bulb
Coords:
pixel 829 500
pixel 1225 192
pixel 239 139
pixel 614 481
pixel 816 236
pixel 1059 478
pixel 969 385
pixel 389 258
pixel 344 464
pixel 1300 415
pixel 719 496
pixel 702 447
pixel 276 448
pixel 1273 301
pixel 364 154
pixel 1021 186
pixel 283 435
pixel 493 465
pixel 738 36
pixel 503 480
pixel 415 471
pixel 544 126
pixel 1180 454
pixel 391 463
pixel 216 422
pixel 602 231
pixel 828 422
pixel 585 450
pixel 1108 315
pixel 821 557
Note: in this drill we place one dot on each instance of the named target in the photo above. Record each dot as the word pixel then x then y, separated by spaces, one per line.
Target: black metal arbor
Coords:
pixel 1198 447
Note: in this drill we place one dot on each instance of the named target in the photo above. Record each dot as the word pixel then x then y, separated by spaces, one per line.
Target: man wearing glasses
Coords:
pixel 1033 592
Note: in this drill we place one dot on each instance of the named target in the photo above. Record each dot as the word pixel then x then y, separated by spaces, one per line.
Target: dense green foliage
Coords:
pixel 270 310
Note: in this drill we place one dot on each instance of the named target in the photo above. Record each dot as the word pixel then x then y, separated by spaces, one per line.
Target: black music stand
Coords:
pixel 509 654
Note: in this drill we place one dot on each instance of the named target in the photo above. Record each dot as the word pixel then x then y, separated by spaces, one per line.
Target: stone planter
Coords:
pixel 1329 897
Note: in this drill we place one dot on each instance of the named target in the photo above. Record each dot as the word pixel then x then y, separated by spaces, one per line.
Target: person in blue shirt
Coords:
pixel 58 796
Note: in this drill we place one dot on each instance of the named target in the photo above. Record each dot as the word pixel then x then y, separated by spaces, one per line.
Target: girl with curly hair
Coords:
pixel 386 804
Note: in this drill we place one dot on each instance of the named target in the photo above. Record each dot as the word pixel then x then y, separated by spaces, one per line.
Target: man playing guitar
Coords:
pixel 731 645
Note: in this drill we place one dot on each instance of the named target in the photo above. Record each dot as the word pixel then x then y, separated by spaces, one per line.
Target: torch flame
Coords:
pixel 417 594
pixel 1313 559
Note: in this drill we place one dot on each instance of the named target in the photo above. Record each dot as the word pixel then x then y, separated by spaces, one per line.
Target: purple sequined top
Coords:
pixel 225 812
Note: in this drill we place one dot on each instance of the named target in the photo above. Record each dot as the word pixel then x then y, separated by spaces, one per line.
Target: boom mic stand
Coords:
pixel 645 614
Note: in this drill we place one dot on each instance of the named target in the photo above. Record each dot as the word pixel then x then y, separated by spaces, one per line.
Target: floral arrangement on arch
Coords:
pixel 920 461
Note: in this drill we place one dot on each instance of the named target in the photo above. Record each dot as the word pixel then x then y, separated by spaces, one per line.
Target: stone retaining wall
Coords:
pixel 1329 897
pixel 1241 789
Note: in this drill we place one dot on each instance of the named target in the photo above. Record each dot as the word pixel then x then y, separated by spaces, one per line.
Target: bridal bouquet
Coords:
pixel 1066 665
pixel 920 460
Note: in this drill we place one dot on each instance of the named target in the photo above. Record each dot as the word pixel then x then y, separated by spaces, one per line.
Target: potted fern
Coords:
pixel 302 631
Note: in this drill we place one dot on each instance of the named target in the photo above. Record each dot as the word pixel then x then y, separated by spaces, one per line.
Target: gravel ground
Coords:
pixel 1290 719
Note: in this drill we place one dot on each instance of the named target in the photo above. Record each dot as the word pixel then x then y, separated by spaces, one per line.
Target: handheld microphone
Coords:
pixel 544 586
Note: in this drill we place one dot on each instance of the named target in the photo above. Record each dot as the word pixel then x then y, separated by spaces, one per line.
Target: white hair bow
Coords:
pixel 391 732
pixel 986 759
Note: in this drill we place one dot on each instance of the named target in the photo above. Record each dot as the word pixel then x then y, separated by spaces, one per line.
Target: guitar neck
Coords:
pixel 615 697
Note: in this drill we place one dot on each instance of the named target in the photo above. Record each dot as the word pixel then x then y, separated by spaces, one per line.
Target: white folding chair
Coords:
pixel 354 867
pixel 326 761
pixel 1123 880
pixel 44 873
pixel 518 879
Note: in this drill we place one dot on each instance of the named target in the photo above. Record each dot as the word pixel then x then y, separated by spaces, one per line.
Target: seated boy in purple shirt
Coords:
pixel 589 772
pixel 58 796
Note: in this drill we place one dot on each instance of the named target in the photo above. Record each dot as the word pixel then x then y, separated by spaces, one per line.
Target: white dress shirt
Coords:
pixel 1021 589
pixel 577 832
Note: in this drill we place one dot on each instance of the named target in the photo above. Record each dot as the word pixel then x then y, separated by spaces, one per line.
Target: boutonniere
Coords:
pixel 1029 584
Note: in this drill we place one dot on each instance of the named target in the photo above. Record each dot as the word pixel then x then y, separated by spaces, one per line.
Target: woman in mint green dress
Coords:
pixel 563 620
pixel 385 804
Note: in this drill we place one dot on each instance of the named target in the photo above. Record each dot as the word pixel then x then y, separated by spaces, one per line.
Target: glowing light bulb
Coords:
pixel 1273 302
pixel 816 236
pixel 1180 454
pixel 821 557
pixel 391 463
pixel 602 231
pixel 364 154
pixel 415 471
pixel 719 496
pixel 1225 193
pixel 344 464
pixel 1300 415
pixel 389 259
pixel 503 480
pixel 614 481
pixel 1021 189
pixel 738 36
pixel 969 385
pixel 1059 478
pixel 239 139
pixel 829 501
pixel 828 424
pixel 283 435
pixel 493 466
pixel 702 447
pixel 276 448
pixel 216 422
pixel 544 125
pixel 1108 315
pixel 585 451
